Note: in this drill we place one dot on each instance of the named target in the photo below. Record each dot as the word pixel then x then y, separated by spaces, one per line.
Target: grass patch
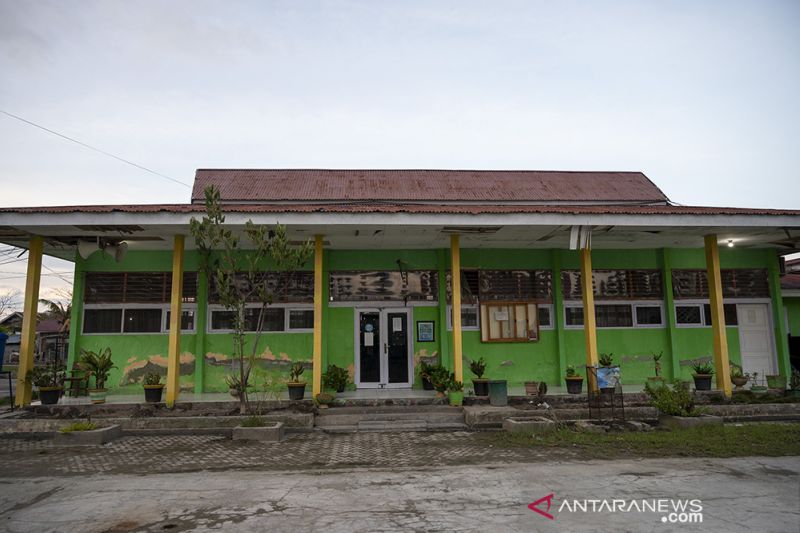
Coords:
pixel 78 426
pixel 765 439
pixel 254 421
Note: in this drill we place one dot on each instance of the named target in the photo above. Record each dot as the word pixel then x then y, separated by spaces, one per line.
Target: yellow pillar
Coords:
pixel 29 312
pixel 455 269
pixel 721 360
pixel 318 285
pixel 174 345
pixel 589 326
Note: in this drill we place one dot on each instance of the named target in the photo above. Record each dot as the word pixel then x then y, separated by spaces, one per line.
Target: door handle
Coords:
pixel 385 348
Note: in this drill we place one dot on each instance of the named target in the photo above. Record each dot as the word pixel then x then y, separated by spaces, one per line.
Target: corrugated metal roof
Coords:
pixel 475 209
pixel 302 185
pixel 790 282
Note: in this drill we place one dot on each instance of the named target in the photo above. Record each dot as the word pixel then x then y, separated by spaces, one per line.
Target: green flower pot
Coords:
pixel 456 398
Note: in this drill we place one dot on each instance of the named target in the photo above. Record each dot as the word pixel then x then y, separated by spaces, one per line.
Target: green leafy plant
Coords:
pixel 424 370
pixel 79 426
pixel 478 367
pixel 99 364
pixel 254 421
pixel 152 378
pixel 295 372
pixel 51 376
pixel 234 383
pixel 571 372
pixel 703 369
pixel 453 385
pixel 439 377
pixel 606 359
pixel 674 399
pixel 736 371
pixel 336 378
pixel 235 270
pixel 794 380
pixel 323 398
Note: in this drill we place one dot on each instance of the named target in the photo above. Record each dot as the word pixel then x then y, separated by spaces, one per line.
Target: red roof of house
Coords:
pixel 471 209
pixel 309 185
pixel 790 282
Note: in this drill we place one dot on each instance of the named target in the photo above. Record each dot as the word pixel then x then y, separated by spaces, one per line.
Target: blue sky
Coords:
pixel 701 96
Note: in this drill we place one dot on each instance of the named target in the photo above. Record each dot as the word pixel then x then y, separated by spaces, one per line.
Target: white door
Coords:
pixel 755 339
pixel 384 348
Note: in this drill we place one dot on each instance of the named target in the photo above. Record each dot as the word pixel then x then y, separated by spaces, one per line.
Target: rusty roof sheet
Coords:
pixel 474 209
pixel 302 185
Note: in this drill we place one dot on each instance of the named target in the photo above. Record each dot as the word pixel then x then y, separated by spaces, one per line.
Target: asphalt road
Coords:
pixel 744 494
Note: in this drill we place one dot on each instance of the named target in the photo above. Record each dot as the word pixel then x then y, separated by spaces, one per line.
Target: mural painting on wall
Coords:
pixel 135 368
pixel 265 361
pixel 423 355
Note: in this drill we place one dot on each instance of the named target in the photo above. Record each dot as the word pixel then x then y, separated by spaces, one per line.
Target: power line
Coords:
pixel 98 150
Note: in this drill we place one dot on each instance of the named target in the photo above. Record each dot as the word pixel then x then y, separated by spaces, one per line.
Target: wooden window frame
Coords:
pixel 531 310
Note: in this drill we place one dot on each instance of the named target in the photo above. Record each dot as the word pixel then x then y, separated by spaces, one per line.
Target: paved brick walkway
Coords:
pixel 156 454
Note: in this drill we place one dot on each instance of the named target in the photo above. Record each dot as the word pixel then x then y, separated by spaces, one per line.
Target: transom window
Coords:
pixel 136 287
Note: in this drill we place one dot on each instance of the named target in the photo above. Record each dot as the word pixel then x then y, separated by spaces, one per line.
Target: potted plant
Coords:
pixel 794 384
pixel 335 378
pixel 776 382
pixel 99 364
pixel 574 380
pixel 324 400
pixel 531 388
pixel 455 391
pixel 49 381
pixel 297 388
pixel 480 383
pixel 607 373
pixel 702 374
pixel 424 370
pixel 757 388
pixel 657 365
pixel 439 377
pixel 676 407
pixel 153 388
pixel 738 378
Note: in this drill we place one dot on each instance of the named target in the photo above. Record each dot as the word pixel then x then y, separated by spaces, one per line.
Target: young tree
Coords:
pixel 9 301
pixel 237 271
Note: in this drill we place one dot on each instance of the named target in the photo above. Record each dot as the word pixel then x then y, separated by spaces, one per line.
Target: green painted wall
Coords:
pixel 515 362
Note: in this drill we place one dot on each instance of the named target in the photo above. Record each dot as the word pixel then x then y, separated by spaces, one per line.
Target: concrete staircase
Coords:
pixel 391 419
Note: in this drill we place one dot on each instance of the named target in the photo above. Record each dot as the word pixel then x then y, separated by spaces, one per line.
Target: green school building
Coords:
pixel 531 270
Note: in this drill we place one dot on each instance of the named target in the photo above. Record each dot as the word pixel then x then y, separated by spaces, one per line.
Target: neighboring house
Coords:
pixel 387 242
pixel 51 341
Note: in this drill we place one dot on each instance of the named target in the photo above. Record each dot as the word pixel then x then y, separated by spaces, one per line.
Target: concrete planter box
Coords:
pixel 679 422
pixel 537 424
pixel 92 437
pixel 270 433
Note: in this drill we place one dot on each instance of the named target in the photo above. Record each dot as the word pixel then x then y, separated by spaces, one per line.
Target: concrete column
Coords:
pixel 30 311
pixel 589 324
pixel 318 294
pixel 455 262
pixel 721 360
pixel 174 343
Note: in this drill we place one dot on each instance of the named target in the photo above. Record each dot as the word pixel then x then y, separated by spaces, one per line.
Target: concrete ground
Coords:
pixel 746 494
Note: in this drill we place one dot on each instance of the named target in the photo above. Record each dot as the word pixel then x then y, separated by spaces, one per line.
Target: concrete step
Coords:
pixel 416 418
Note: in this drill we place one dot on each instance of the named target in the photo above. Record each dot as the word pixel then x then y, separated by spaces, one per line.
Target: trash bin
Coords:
pixel 498 392
pixel 3 339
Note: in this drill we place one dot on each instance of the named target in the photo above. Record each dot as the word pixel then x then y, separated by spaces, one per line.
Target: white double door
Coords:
pixel 756 343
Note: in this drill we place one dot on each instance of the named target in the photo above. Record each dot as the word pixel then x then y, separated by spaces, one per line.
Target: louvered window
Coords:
pixel 136 287
pixel 384 285
pixel 736 283
pixel 615 284
pixel 284 287
pixel 503 285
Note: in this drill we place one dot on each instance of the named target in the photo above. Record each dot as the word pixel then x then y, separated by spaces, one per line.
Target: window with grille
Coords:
pixel 615 284
pixel 469 317
pixel 275 319
pixel 736 283
pixel 617 315
pixel 384 285
pixel 136 287
pixel 283 287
